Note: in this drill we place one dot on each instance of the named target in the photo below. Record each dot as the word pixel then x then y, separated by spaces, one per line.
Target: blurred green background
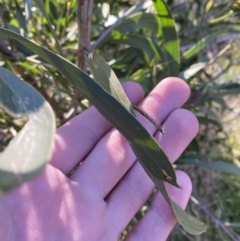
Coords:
pixel 196 40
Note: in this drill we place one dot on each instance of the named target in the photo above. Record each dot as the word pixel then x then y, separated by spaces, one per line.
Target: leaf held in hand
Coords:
pixel 142 143
pixel 105 76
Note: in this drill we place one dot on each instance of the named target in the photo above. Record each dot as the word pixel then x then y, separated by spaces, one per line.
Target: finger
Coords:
pixel 133 190
pixel 112 156
pixel 160 219
pixel 75 139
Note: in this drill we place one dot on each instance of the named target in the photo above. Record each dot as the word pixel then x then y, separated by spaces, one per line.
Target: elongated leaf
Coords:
pixel 30 150
pixel 138 20
pixel 105 76
pixel 190 224
pixel 142 143
pixel 224 89
pixel 144 146
pixel 40 5
pixel 102 73
pixel 192 70
pixel 207 120
pixel 167 33
pixel 219 166
pixel 20 17
pixel 136 41
pixel 199 46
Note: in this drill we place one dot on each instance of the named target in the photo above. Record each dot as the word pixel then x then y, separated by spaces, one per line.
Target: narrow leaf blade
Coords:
pixel 40 5
pixel 104 75
pixel 167 33
pixel 190 224
pixel 144 146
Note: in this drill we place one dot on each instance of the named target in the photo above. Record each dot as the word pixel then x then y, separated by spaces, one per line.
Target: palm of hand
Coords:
pixel 99 199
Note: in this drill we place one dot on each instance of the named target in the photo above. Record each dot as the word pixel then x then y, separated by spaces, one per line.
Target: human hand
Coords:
pixel 102 195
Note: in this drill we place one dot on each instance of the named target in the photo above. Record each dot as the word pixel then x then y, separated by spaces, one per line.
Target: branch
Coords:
pixel 84 20
pixel 108 30
pixel 217 222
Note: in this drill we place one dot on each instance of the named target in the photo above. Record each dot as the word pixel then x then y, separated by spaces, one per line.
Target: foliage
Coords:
pixel 138 47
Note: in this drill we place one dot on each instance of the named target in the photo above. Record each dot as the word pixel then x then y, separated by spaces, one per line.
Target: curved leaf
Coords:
pixel 29 151
pixel 138 137
pixel 219 166
pixel 142 143
pixel 105 76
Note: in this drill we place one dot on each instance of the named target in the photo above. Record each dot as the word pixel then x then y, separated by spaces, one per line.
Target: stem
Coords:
pixel 217 223
pixel 158 127
pixel 108 30
pixel 84 20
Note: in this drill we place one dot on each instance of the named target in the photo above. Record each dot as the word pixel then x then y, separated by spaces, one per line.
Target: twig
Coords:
pixel 216 221
pixel 84 19
pixel 108 30
pixel 158 127
pixel 221 53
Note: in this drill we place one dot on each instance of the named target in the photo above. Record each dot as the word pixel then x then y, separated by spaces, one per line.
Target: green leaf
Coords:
pixel 207 120
pixel 29 151
pixel 190 224
pixel 142 143
pixel 111 109
pixel 197 47
pixel 137 21
pixel 20 17
pixel 168 36
pixel 105 76
pixel 219 166
pixel 40 5
pixel 20 47
pixel 223 90
pixel 136 41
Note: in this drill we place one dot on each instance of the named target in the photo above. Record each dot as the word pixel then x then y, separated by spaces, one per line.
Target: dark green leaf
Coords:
pixel 105 76
pixel 20 17
pixel 219 166
pixel 114 111
pixel 168 37
pixel 224 89
pixel 29 151
pixel 206 121
pixel 40 5
pixel 136 41
pixel 142 143
pixel 138 20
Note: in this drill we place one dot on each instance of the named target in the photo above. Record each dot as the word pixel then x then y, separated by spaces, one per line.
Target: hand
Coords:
pixel 102 195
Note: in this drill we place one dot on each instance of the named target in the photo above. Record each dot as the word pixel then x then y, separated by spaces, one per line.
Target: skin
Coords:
pixel 99 199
